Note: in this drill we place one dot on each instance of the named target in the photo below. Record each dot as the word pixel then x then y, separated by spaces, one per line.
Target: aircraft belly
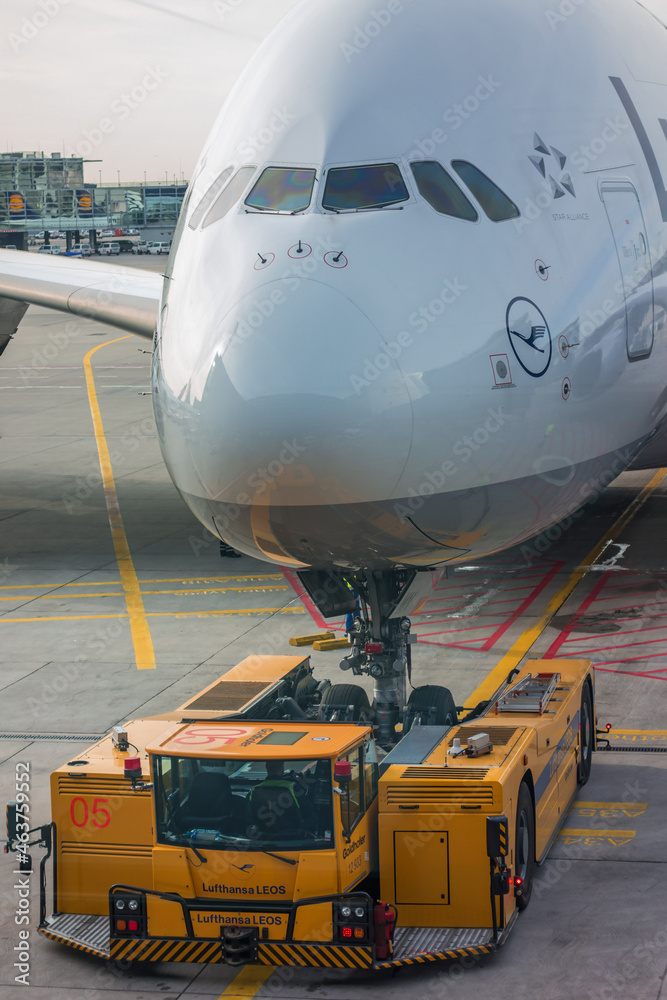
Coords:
pixel 418 531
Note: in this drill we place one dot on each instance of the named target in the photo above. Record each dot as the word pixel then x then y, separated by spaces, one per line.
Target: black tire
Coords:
pixel 340 696
pixel 586 735
pixel 431 696
pixel 524 845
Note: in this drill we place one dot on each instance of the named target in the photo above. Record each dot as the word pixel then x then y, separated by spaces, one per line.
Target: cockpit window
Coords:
pixel 495 202
pixel 282 189
pixel 356 188
pixel 210 196
pixel 441 191
pixel 229 195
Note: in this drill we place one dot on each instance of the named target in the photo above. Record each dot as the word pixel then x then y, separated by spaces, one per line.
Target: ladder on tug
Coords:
pixel 531 694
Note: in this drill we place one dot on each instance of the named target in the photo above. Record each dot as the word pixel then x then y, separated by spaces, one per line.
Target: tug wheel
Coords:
pixel 586 735
pixel 339 695
pixel 524 845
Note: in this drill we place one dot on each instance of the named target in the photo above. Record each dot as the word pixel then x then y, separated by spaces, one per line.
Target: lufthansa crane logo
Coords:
pixel 243 871
pixel 529 336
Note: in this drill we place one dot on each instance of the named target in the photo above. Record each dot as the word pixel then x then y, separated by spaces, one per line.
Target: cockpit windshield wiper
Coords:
pixel 365 208
pixel 279 857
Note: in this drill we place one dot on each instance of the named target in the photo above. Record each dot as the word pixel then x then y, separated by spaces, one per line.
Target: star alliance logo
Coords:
pixel 539 161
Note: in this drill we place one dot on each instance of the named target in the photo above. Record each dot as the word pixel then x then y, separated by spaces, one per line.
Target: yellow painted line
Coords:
pixel 60 596
pixel 637 732
pixel 615 834
pixel 521 647
pixel 247 983
pixel 141 638
pixel 610 805
pixel 159 614
pixel 117 583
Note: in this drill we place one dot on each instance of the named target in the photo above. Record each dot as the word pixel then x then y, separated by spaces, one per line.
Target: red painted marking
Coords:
pixel 633 673
pixel 520 610
pixel 624 645
pixel 558 642
pixel 614 635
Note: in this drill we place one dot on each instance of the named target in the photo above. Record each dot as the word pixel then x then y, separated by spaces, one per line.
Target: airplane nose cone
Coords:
pixel 302 403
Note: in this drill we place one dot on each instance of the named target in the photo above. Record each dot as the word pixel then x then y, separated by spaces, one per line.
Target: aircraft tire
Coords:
pixel 346 694
pixel 524 846
pixel 587 735
pixel 431 696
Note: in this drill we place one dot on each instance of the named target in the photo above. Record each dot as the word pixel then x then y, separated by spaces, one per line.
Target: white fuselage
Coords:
pixel 396 385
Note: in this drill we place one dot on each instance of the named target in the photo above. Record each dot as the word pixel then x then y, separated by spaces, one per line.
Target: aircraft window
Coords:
pixel 210 196
pixel 356 188
pixel 282 189
pixel 495 202
pixel 441 191
pixel 229 195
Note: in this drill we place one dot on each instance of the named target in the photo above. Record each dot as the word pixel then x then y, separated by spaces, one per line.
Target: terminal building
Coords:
pixel 39 192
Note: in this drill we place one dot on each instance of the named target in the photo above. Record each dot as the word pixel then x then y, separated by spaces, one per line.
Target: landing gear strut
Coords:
pixel 378 601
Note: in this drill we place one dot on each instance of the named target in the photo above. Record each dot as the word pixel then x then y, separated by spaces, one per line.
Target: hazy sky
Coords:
pixel 65 65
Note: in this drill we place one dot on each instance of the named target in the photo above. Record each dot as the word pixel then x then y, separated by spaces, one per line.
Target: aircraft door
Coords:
pixel 624 212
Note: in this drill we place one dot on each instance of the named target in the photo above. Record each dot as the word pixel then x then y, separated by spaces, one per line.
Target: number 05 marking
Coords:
pixel 81 814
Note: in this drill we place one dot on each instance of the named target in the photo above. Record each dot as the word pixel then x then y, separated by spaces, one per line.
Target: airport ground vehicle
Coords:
pixel 141 247
pixel 108 249
pixel 259 823
pixel 159 248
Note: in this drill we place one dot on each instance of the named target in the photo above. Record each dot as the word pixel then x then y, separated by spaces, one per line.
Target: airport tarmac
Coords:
pixel 90 637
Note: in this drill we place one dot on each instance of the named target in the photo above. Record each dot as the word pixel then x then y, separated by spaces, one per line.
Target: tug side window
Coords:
pixel 352 800
pixel 371 772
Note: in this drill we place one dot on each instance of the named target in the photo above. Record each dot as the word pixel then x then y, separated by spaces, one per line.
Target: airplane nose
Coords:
pixel 302 403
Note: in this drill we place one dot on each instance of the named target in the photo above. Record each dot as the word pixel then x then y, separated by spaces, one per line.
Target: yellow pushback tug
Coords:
pixel 256 825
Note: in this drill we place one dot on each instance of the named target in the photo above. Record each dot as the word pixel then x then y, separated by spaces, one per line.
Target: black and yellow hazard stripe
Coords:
pixel 165 950
pixel 317 956
pixel 436 956
pixel 86 949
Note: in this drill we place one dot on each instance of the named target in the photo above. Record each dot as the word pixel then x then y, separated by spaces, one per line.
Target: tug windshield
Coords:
pixel 244 805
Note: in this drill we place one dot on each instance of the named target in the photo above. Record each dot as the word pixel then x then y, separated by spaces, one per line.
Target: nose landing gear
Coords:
pixel 378 602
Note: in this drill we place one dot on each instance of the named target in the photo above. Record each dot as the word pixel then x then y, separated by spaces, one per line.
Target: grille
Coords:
pixel 462 794
pixel 499 736
pixel 227 696
pixel 470 773
pixel 119 787
pixel 67 737
pixel 106 850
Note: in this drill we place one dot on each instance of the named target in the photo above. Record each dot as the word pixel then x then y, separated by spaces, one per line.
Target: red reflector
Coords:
pixel 121 925
pixel 132 925
pixel 525 759
pixel 346 932
pixel 374 647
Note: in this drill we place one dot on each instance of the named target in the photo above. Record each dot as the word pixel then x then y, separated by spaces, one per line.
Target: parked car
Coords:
pixel 108 249
pixel 141 247
pixel 159 248
pixel 10 246
pixel 51 250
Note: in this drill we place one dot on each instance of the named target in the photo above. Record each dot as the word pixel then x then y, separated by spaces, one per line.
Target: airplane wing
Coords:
pixel 125 297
